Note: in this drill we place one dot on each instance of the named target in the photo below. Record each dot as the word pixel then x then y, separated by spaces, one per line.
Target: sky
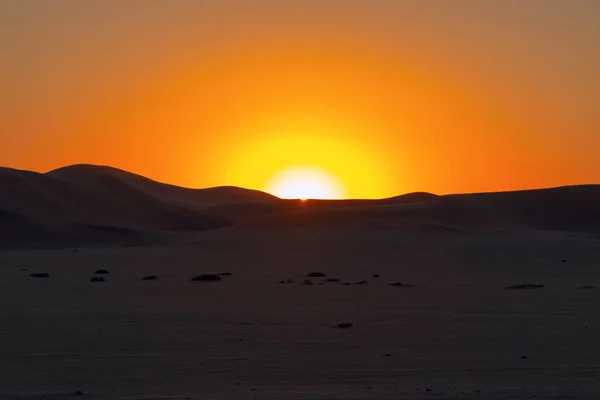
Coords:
pixel 383 97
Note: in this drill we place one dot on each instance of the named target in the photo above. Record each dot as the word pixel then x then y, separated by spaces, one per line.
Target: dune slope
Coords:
pixel 87 203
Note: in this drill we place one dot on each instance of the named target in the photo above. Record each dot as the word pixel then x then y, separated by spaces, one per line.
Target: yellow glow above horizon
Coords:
pixel 305 182
pixel 385 107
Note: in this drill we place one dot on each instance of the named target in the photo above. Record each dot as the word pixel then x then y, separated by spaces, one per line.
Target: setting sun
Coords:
pixel 305 183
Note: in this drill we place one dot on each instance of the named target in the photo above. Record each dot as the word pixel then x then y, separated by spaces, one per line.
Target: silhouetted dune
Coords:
pixel 90 204
pixel 103 175
pixel 83 204
pixel 567 209
pixel 411 197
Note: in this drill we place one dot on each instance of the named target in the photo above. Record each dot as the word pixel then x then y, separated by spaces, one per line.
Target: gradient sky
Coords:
pixel 388 96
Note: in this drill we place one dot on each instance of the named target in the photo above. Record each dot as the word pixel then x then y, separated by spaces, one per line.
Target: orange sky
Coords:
pixel 387 96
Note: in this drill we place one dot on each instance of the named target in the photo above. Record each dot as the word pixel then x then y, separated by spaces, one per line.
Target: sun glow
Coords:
pixel 303 182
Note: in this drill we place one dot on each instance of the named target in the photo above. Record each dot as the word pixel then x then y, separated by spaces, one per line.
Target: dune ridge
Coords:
pixel 89 204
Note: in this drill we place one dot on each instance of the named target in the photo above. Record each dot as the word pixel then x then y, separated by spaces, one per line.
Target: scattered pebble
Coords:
pixel 316 275
pixel 206 278
pixel 524 286
pixel 400 284
pixel 102 271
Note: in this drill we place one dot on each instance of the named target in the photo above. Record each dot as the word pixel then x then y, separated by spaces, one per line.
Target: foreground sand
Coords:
pixel 458 333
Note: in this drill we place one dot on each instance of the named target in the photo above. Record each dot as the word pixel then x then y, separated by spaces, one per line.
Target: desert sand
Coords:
pixel 453 329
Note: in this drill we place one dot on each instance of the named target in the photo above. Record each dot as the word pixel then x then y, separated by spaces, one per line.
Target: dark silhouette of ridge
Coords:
pixel 95 204
pixel 84 173
pixel 82 204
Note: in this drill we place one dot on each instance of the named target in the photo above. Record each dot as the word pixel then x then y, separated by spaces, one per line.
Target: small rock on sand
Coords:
pixel 97 279
pixel 316 275
pixel 102 272
pixel 524 286
pixel 400 284
pixel 206 278
pixel 40 275
pixel 345 325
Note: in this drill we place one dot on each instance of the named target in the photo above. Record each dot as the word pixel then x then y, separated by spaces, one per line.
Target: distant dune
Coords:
pixel 83 204
pixel 96 203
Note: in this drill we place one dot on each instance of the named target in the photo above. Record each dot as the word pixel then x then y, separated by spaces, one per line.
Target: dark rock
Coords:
pixel 225 274
pixel 375 276
pixel 400 284
pixel 206 278
pixel 523 357
pixel 361 283
pixel 587 287
pixel 563 261
pixel 78 393
pixel 524 286
pixel 345 325
pixel 307 282
pixel 40 275
pixel 150 278
pixel 102 272
pixel 331 280
pixel 316 275
pixel 97 279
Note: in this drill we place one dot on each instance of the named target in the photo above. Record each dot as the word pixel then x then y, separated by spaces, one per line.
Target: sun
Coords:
pixel 305 182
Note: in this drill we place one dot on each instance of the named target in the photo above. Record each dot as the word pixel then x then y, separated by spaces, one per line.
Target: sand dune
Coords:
pixel 454 312
pixel 102 176
pixel 564 209
pixel 86 203
pixel 92 203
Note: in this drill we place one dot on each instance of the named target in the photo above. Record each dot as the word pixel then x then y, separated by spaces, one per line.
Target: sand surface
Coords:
pixel 457 332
